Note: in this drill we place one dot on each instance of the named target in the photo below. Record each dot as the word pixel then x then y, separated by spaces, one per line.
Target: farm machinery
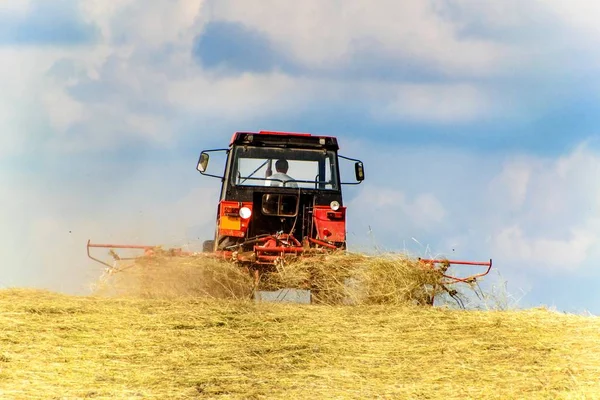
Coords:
pixel 280 200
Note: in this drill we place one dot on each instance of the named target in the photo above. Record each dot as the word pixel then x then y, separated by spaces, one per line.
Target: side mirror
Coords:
pixel 359 171
pixel 203 162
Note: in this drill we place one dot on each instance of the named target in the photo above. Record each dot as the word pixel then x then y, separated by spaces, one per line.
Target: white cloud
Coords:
pixel 511 184
pixel 403 30
pixel 141 79
pixel 21 77
pixel 148 23
pixel 437 102
pixel 15 7
pixel 121 73
pixel 426 210
pixel 244 96
pixel 557 254
pixel 387 209
pixel 581 15
pixel 63 111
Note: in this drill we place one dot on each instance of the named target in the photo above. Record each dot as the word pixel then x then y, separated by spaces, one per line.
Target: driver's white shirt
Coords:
pixel 283 177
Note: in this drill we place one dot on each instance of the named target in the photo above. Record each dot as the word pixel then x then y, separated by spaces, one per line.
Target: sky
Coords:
pixel 477 123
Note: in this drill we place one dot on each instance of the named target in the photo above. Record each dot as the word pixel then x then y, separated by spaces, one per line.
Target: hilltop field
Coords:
pixel 54 346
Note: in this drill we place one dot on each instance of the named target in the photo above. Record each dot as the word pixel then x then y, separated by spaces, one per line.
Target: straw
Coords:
pixel 64 347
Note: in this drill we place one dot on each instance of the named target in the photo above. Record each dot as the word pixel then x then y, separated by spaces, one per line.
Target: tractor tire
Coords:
pixel 208 246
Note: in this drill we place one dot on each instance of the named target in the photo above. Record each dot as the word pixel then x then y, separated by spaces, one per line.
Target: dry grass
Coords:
pixel 340 278
pixel 346 278
pixel 54 346
pixel 176 277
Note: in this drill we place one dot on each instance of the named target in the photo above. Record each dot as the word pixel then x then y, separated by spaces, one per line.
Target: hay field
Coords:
pixel 185 328
pixel 55 346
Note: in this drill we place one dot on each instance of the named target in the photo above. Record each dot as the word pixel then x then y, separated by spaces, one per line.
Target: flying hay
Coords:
pixel 346 278
pixel 179 276
pixel 334 279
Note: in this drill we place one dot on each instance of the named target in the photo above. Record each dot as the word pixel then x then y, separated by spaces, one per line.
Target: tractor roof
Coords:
pixel 286 139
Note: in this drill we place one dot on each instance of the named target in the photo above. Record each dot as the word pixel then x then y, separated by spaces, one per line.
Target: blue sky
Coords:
pixel 477 122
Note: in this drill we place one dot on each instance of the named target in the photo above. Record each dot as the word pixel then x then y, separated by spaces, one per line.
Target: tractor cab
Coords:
pixel 281 195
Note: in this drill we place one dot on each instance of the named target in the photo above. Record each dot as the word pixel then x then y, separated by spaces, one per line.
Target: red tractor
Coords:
pixel 281 198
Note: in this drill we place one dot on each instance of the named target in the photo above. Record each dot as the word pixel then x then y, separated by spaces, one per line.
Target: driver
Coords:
pixel 281 166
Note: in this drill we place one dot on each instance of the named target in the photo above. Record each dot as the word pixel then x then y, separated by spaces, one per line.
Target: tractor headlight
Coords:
pixel 334 205
pixel 245 212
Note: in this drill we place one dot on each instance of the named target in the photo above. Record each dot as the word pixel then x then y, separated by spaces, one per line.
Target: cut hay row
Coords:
pixel 60 347
pixel 333 279
pixel 347 278
pixel 162 276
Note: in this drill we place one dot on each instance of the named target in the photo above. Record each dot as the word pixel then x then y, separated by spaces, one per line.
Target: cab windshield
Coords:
pixel 306 168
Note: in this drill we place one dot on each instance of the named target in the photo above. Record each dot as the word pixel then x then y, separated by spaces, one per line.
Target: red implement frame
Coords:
pixel 448 263
pixel 148 251
pixel 268 250
pixel 273 248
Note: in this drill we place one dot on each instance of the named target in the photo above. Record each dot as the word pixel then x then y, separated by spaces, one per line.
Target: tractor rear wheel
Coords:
pixel 208 246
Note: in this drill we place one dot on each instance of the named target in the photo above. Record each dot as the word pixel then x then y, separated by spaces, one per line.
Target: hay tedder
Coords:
pixel 281 199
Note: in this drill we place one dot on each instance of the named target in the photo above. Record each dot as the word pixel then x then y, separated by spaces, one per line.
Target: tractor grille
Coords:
pixel 277 212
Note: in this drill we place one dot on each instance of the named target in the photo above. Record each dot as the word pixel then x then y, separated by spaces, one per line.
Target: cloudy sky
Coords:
pixel 477 123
